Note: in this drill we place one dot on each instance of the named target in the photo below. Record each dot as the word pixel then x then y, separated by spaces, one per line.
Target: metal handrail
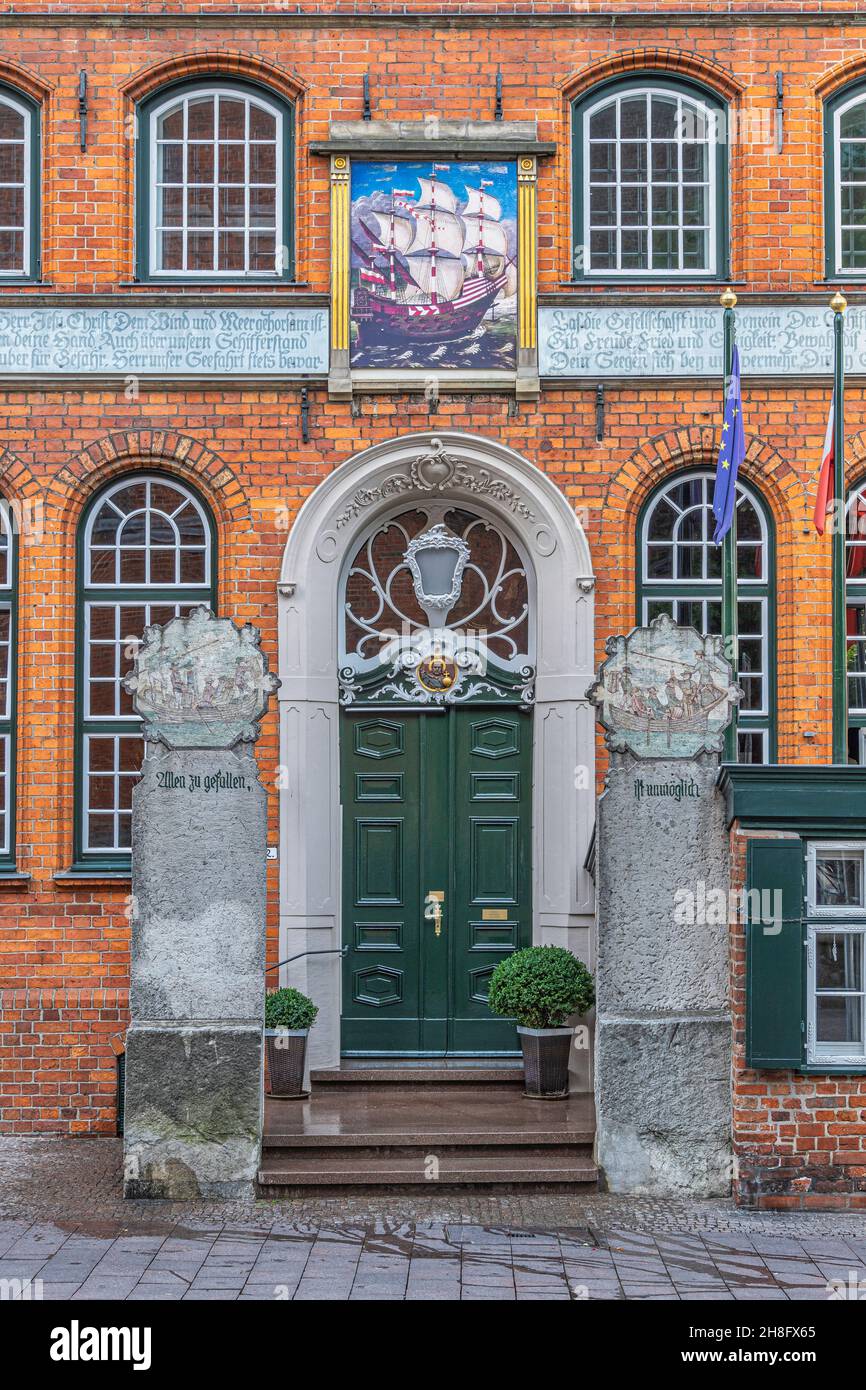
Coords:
pixel 334 951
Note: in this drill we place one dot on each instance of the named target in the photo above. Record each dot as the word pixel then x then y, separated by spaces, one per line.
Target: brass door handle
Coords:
pixel 433 909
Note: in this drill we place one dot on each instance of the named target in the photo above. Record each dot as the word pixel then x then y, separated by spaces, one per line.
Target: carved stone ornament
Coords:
pixel 664 692
pixel 201 682
pixel 437 471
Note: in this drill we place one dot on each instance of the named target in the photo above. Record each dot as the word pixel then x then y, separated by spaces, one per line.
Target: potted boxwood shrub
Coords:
pixel 289 1015
pixel 541 987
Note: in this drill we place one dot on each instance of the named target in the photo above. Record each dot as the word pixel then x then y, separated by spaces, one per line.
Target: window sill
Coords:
pixel 168 282
pixel 606 282
pixel 12 879
pixel 85 876
pixel 843 1069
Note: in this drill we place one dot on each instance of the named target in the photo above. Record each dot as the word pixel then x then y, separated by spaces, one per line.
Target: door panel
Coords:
pixel 491 908
pixel 381 909
pixel 436 804
pixel 379 860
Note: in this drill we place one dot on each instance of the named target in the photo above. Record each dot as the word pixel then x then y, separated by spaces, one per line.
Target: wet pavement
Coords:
pixel 65 1228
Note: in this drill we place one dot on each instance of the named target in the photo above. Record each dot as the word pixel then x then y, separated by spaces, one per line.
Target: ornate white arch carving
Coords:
pixel 479 473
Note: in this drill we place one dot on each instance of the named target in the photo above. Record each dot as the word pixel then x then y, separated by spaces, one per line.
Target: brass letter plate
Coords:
pixel 494 914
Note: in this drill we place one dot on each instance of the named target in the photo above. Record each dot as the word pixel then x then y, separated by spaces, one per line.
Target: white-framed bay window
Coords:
pixel 836 953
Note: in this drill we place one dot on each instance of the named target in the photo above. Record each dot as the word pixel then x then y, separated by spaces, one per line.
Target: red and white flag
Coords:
pixel 374 276
pixel 825 499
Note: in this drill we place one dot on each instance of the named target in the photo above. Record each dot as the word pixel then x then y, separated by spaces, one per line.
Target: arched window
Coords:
pixel 855 613
pixel 680 573
pixel 650 181
pixel 215 183
pixel 19 186
pixel 8 577
pixel 146 555
pixel 845 182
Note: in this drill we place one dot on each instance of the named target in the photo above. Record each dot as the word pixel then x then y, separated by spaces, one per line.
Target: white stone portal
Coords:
pixel 467 471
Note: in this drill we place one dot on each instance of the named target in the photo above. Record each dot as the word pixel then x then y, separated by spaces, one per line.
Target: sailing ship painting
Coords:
pixel 434 265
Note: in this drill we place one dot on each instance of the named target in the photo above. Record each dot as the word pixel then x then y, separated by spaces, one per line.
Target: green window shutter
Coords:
pixel 775 958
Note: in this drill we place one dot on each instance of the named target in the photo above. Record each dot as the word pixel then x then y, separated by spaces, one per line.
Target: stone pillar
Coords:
pixel 193 1112
pixel 663 1025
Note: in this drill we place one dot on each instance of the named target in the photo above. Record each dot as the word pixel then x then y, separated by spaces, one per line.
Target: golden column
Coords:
pixel 527 278
pixel 339 379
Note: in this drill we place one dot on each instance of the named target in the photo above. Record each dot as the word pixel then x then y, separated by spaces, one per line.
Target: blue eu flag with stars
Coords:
pixel 731 455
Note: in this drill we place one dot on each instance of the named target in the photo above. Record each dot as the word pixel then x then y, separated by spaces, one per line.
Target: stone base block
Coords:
pixel 663 1105
pixel 192 1124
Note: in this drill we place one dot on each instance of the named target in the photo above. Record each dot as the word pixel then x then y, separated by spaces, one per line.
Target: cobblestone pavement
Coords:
pixel 62 1221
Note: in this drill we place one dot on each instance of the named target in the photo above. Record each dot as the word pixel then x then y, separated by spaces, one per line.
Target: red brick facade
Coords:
pixel 64 943
pixel 799 1141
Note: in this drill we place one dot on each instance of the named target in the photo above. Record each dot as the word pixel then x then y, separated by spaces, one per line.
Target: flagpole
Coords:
pixel 728 302
pixel 840 634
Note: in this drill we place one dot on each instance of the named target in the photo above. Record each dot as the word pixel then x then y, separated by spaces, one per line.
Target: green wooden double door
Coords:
pixel 437 882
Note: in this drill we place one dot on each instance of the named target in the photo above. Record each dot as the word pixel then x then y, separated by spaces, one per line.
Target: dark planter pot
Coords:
pixel 545 1061
pixel 287 1055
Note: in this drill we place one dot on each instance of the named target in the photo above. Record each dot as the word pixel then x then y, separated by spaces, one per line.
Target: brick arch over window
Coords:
pixel 17 480
pixel 696 447
pixel 225 62
pixel 186 458
pixel 676 451
pixel 721 91
pixel 24 80
pixel 855 454
pixel 662 60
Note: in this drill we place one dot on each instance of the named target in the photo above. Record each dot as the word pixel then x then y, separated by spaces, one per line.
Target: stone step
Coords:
pixel 426 1116
pixel 492 1164
pixel 426 1071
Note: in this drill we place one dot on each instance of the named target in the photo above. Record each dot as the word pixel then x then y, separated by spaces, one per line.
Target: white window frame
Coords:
pixel 26 248
pixel 712 119
pixel 664 494
pixel 114 811
pixel 762 734
pixel 860 272
pixel 147 583
pixel 845 910
pixel 117 595
pixel 855 589
pixel 845 920
pixel 822 1053
pixel 6 837
pixel 154 269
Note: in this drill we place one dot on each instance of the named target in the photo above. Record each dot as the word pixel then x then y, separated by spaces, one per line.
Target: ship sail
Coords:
pixel 485 244
pixel 404 228
pixel 448 232
pixel 450 273
pixel 476 199
pixel 490 236
pixel 437 193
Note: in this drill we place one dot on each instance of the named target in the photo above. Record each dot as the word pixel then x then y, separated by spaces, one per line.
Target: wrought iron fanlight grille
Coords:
pixel 477 619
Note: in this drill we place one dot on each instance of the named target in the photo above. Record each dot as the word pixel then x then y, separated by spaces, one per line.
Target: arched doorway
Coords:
pixel 537 674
